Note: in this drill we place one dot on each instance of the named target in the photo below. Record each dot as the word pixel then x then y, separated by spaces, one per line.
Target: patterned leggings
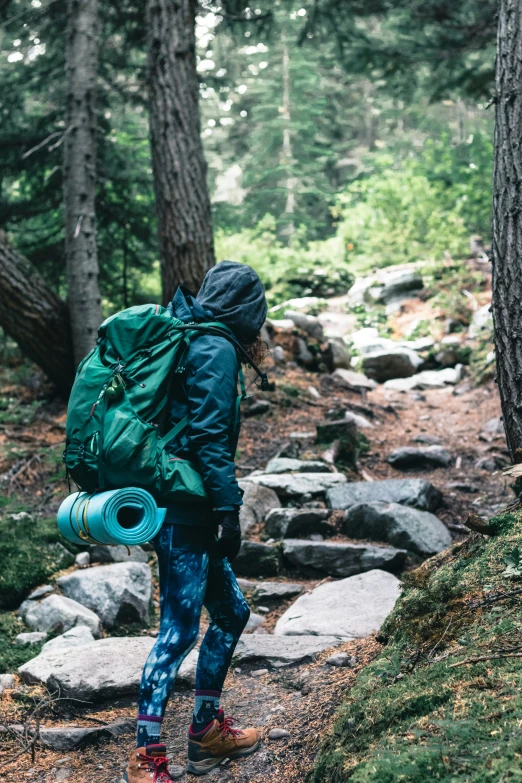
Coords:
pixel 191 577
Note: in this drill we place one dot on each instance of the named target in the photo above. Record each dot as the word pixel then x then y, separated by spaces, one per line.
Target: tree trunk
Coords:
pixel 182 199
pixel 35 317
pixel 507 221
pixel 80 175
pixel 287 158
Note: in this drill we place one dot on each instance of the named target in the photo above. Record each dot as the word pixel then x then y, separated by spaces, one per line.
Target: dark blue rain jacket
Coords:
pixel 208 390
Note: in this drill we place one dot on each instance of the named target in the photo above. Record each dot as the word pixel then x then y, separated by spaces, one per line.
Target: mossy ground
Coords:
pixel 414 717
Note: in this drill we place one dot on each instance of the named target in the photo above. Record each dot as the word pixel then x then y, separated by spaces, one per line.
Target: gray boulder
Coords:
pixel 339 355
pixel 82 559
pixel 493 429
pixel 298 522
pixel 353 380
pixel 40 592
pixel 254 621
pixel 102 670
pixel 349 609
pixel 257 502
pixel 298 484
pixel 411 458
pixel 75 637
pixel 430 440
pixel 117 554
pixel 482 319
pixel 360 421
pixel 32 637
pixel 307 323
pixel 318 558
pixel 401 526
pixel 278 651
pixel 418 493
pixel 56 612
pixel 272 592
pixel 256 559
pixel 117 593
pixel 7 681
pixel 392 363
pixel 286 465
pixel 392 286
pixel 66 738
pixel 387 286
pixel 428 379
pixel 187 670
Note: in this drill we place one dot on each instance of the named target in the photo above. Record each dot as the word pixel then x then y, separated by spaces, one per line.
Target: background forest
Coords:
pixel 327 154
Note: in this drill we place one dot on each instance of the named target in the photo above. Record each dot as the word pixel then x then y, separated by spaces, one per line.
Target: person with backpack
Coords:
pixel 194 563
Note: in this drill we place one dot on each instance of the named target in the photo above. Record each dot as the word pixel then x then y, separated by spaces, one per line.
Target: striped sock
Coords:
pixel 206 708
pixel 149 730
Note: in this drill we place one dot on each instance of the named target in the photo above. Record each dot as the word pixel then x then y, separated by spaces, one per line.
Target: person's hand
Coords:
pixel 229 542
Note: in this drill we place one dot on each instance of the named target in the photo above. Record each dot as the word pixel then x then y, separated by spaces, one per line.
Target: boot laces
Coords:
pixel 159 766
pixel 226 728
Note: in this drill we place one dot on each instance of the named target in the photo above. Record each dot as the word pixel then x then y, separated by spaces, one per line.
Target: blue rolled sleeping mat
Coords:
pixel 127 516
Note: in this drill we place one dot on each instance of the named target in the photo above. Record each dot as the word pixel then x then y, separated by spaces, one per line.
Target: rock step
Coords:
pixel 402 526
pixel 299 522
pixel 100 670
pixel 298 484
pixel 65 738
pixel 418 493
pixel 116 593
pixel 411 458
pixel 318 558
pixel 351 608
pixel 278 651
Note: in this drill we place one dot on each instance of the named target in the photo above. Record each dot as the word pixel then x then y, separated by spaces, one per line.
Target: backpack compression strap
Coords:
pixel 220 330
pixel 182 423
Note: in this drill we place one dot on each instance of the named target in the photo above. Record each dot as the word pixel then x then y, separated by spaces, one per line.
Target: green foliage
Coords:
pixel 32 551
pixel 12 655
pixel 513 563
pixel 425 208
pixel 313 269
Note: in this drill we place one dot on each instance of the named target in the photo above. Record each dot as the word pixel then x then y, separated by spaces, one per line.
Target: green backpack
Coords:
pixel 118 408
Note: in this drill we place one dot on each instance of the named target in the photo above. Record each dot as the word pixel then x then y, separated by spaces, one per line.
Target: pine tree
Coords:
pixel 80 175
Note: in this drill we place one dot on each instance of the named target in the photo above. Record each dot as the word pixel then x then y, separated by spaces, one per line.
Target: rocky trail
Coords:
pixel 368 456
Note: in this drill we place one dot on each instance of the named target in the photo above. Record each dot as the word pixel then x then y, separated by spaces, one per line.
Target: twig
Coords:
pixel 430 654
pixel 42 144
pixel 495 598
pixel 61 141
pixel 485 658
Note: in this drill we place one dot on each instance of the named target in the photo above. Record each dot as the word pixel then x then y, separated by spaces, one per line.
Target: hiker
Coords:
pixel 194 564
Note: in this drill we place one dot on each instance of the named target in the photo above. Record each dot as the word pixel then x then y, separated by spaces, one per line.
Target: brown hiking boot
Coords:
pixel 148 764
pixel 218 743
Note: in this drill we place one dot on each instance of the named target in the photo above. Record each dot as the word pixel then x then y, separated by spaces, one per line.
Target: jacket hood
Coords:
pixel 235 296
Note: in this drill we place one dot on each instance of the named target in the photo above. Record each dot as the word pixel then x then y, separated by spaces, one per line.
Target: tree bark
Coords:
pixel 35 317
pixel 507 221
pixel 180 184
pixel 80 175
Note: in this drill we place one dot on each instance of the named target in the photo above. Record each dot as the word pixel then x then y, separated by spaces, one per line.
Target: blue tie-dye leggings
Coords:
pixel 191 577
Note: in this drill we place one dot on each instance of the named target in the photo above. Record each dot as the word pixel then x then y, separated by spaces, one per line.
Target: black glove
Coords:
pixel 229 542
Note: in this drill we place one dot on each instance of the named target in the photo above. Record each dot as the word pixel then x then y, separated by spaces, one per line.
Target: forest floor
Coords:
pixel 300 699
